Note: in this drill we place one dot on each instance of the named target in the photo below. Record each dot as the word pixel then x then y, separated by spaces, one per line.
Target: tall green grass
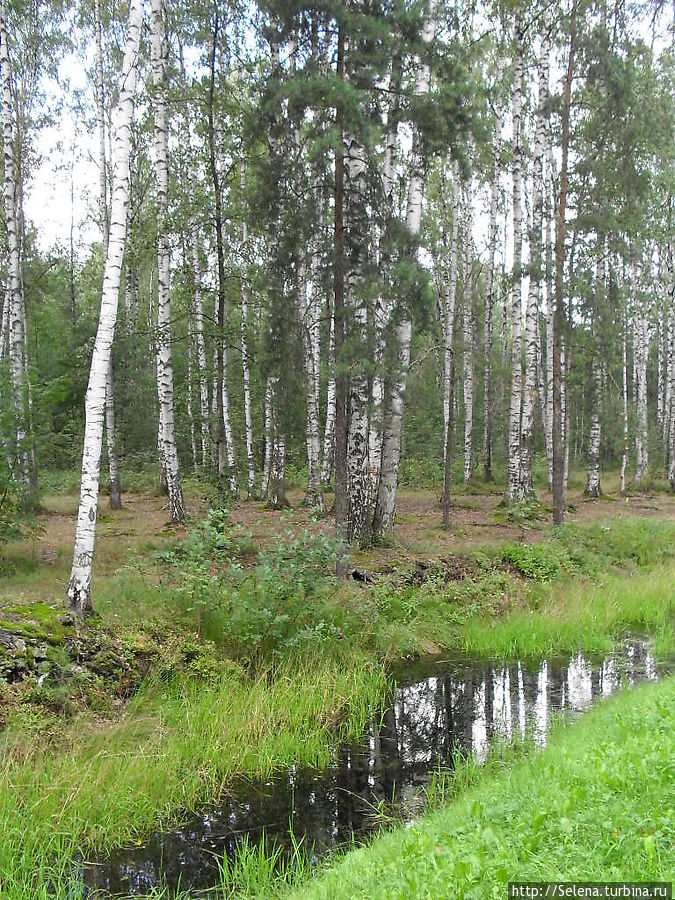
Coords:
pixel 178 745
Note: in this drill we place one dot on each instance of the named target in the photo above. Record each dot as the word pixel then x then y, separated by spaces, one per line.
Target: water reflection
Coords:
pixel 434 712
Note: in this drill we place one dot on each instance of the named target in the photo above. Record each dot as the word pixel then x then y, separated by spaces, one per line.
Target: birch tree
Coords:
pixel 14 295
pixel 385 507
pixel 245 360
pixel 641 355
pixel 490 278
pixel 167 429
pixel 111 446
pixel 530 394
pixel 468 330
pixel 513 491
pixel 79 585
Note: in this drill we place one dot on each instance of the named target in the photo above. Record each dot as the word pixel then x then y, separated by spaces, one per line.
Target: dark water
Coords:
pixel 437 708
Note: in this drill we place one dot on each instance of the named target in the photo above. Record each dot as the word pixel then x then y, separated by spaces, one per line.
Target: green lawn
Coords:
pixel 597 804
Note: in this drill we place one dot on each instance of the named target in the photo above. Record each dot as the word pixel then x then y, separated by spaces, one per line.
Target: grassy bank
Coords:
pixel 293 663
pixel 179 745
pixel 595 805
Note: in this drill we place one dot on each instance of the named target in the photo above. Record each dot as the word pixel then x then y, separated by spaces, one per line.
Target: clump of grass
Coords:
pixel 592 802
pixel 179 744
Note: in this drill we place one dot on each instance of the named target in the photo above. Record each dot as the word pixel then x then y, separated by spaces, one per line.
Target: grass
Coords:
pixel 298 664
pixel 179 745
pixel 597 805
pixel 566 592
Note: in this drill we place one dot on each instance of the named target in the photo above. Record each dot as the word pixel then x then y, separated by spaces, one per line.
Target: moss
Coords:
pixel 38 620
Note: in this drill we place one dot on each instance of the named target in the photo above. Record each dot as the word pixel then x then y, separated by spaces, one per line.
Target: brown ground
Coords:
pixel 129 536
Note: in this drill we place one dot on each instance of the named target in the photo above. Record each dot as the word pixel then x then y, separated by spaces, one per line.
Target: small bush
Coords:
pixel 538 562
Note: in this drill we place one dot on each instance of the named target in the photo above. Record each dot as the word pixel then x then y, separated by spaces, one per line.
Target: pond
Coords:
pixel 439 707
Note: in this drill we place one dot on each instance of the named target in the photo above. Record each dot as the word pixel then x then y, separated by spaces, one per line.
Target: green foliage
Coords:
pixel 259 603
pixel 538 562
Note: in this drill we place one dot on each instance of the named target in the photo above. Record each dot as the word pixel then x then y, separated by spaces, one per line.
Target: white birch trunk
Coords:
pixel 513 491
pixel 360 510
pixel 490 281
pixel 167 430
pixel 385 508
pixel 328 457
pixel 641 353
pixel 245 362
pixel 660 361
pixel 593 488
pixel 467 322
pixel 530 394
pixel 671 364
pixel 190 411
pixel 79 585
pixel 4 324
pixel 548 312
pixel 201 346
pixel 111 443
pixel 382 309
pixel 269 440
pixel 624 397
pixel 14 286
pixel 450 305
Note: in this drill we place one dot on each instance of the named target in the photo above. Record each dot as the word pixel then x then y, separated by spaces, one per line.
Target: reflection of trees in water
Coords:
pixel 418 731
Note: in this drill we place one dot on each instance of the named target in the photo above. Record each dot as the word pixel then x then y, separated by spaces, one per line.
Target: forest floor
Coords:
pixel 36 568
pixel 227 648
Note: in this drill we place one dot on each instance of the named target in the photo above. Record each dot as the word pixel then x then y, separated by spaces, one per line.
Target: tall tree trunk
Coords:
pixel 341 384
pixel 490 279
pixel 593 488
pixel 328 454
pixel 245 362
pixel 201 346
pixel 313 496
pixel 14 285
pixel 385 507
pixel 671 362
pixel 223 425
pixel 160 58
pixel 513 491
pixel 79 585
pixel 111 443
pixel 190 409
pixel 359 516
pixel 660 365
pixel 382 309
pixel 269 440
pixel 449 315
pixel 530 395
pixel 641 359
pixel 549 309
pixel 467 322
pixel 624 397
pixel 558 443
